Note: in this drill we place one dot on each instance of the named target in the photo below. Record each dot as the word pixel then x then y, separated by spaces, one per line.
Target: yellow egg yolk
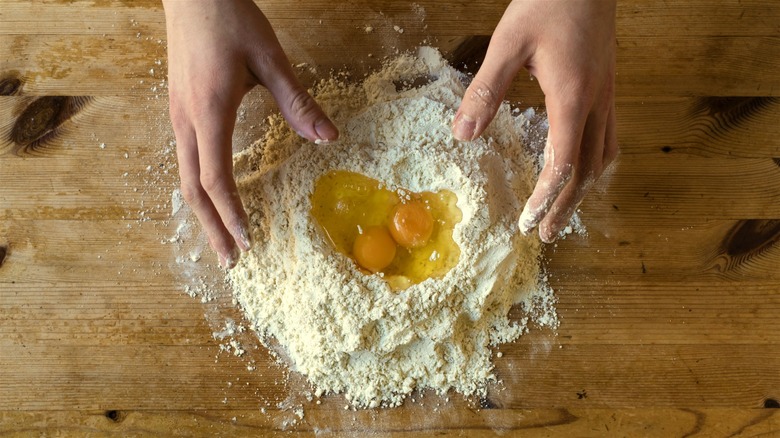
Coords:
pixel 411 224
pixel 374 248
pixel 404 236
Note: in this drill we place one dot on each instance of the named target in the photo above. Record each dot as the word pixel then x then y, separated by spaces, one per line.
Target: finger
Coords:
pixel 611 147
pixel 487 90
pixel 301 110
pixel 214 135
pixel 599 148
pixel 196 197
pixel 303 113
pixel 587 171
pixel 296 105
pixel 561 154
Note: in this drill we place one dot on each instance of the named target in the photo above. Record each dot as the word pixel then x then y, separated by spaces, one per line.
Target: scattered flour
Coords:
pixel 347 332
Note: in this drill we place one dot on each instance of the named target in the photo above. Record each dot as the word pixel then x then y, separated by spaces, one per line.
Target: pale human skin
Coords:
pixel 219 49
pixel 569 46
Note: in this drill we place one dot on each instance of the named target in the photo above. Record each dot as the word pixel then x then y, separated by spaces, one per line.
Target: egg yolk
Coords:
pixel 374 249
pixel 411 224
pixel 405 237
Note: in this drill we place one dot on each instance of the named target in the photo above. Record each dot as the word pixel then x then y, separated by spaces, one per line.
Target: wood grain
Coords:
pixel 662 50
pixel 542 422
pixel 669 306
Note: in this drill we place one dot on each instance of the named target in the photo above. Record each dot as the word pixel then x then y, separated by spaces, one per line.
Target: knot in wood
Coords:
pixel 10 85
pixel 40 120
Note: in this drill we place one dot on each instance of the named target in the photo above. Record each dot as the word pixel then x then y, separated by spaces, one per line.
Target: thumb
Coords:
pixel 486 92
pixel 272 68
pixel 298 107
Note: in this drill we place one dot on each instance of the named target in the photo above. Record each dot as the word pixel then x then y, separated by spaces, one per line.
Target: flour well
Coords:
pixel 346 331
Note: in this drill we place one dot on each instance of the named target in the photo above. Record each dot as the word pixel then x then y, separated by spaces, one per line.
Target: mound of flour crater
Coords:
pixel 347 332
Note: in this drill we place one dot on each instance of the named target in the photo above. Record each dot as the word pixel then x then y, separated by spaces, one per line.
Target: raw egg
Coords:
pixel 402 235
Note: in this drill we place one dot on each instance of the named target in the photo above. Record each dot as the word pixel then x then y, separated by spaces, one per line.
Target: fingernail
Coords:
pixel 547 234
pixel 326 130
pixel 229 261
pixel 522 223
pixel 244 239
pixel 463 127
pixel 527 221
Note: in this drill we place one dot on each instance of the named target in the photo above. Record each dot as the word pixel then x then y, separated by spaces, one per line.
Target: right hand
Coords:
pixel 217 51
pixel 569 46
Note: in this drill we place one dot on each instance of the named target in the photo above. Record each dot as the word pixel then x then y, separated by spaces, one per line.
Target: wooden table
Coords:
pixel 669 307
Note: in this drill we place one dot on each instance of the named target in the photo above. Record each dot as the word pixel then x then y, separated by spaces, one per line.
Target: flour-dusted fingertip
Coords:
pixel 244 238
pixel 522 226
pixel 464 127
pixel 222 261
pixel 527 221
pixel 326 131
pixel 230 259
pixel 547 234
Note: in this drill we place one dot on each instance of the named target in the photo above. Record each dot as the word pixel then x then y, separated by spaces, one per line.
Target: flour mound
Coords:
pixel 346 331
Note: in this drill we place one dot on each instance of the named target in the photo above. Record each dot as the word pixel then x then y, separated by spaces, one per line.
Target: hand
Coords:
pixel 217 51
pixel 569 46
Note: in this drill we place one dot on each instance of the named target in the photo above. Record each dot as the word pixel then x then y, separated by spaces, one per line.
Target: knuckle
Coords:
pixel 562 173
pixel 211 182
pixel 178 113
pixel 575 104
pixel 483 94
pixel 191 193
pixel 209 109
pixel 268 60
pixel 302 103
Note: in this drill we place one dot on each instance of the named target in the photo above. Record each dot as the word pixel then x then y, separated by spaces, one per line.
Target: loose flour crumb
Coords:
pixel 347 332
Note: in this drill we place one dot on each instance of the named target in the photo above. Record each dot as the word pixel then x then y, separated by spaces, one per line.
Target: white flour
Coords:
pixel 347 332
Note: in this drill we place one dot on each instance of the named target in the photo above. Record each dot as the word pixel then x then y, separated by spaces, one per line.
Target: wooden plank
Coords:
pixel 121 50
pixel 692 187
pixel 646 66
pixel 621 312
pixel 419 423
pixel 701 67
pixel 114 129
pixel 697 18
pixel 707 127
pixel 668 250
pixel 536 373
pixel 693 17
pixel 64 190
pixel 139 377
pixel 55 252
